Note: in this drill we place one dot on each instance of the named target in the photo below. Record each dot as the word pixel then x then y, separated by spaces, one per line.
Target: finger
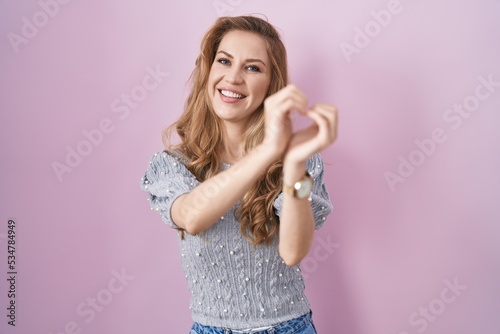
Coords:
pixel 326 133
pixel 297 92
pixel 330 113
pixel 305 134
pixel 299 104
pixel 286 105
pixel 291 92
pixel 301 101
pixel 308 141
pixel 304 145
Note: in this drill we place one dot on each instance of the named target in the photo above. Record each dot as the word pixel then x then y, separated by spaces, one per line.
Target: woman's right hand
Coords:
pixel 278 118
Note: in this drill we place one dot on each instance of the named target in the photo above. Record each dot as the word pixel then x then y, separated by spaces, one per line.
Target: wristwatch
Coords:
pixel 301 189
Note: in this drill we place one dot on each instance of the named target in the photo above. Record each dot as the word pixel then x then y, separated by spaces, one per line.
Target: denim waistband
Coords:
pixel 290 325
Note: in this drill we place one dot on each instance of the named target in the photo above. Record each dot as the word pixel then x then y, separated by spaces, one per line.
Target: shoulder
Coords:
pixel 167 162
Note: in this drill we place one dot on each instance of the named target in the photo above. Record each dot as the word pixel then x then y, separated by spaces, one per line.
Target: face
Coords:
pixel 239 77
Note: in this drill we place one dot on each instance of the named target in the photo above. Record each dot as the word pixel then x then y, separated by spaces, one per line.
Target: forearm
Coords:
pixel 297 220
pixel 199 209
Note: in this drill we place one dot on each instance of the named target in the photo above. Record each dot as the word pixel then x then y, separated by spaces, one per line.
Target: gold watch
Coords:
pixel 301 189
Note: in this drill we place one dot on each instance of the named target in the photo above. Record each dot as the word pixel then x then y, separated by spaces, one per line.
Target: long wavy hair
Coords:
pixel 255 212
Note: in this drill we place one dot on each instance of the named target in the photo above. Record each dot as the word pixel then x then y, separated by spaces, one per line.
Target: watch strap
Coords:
pixel 292 189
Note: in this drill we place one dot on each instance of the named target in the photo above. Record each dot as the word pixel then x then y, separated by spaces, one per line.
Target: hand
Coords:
pixel 314 138
pixel 278 122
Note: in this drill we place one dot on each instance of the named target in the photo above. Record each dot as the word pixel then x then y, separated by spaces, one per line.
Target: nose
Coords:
pixel 233 76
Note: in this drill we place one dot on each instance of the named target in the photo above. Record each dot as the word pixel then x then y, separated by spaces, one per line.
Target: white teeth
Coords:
pixel 231 94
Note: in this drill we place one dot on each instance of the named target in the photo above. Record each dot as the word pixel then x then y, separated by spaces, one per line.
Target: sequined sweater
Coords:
pixel 233 285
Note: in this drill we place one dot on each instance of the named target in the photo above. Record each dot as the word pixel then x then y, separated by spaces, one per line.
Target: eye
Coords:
pixel 223 61
pixel 253 68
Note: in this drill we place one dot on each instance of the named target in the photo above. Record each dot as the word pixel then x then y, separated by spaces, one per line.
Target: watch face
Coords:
pixel 304 189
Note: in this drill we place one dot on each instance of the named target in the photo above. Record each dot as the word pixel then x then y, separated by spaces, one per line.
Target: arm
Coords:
pixel 297 219
pixel 199 209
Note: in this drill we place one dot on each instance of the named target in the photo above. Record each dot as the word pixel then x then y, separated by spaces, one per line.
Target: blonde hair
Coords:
pixel 258 222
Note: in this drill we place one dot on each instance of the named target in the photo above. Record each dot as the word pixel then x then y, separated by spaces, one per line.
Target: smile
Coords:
pixel 230 94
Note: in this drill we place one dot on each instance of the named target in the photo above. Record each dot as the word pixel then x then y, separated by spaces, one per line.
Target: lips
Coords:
pixel 231 94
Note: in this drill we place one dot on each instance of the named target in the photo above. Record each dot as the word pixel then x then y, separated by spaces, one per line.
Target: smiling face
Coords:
pixel 239 77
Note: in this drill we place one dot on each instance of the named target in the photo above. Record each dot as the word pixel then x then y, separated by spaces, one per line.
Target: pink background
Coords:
pixel 389 252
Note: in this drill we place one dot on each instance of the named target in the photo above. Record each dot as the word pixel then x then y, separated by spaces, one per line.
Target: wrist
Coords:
pixel 265 153
pixel 300 189
pixel 293 171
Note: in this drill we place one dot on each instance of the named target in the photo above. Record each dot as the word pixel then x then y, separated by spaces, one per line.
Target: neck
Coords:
pixel 233 148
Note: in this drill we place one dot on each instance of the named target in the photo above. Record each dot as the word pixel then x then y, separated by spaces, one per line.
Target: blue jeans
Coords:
pixel 300 325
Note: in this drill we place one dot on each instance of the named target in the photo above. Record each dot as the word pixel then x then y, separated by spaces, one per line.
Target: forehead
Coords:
pixel 244 44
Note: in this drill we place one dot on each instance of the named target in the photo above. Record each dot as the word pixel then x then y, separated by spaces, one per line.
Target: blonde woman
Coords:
pixel 243 190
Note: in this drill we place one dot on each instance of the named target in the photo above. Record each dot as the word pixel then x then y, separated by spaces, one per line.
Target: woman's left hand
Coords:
pixel 314 138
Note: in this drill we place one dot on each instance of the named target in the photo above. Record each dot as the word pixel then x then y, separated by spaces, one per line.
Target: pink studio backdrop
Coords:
pixel 413 243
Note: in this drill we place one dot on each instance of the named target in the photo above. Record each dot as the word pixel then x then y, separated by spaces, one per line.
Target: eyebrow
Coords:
pixel 250 60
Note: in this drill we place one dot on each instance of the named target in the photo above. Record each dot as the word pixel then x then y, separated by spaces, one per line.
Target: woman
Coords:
pixel 244 191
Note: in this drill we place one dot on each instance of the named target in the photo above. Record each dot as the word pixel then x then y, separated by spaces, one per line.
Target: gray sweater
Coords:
pixel 233 284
